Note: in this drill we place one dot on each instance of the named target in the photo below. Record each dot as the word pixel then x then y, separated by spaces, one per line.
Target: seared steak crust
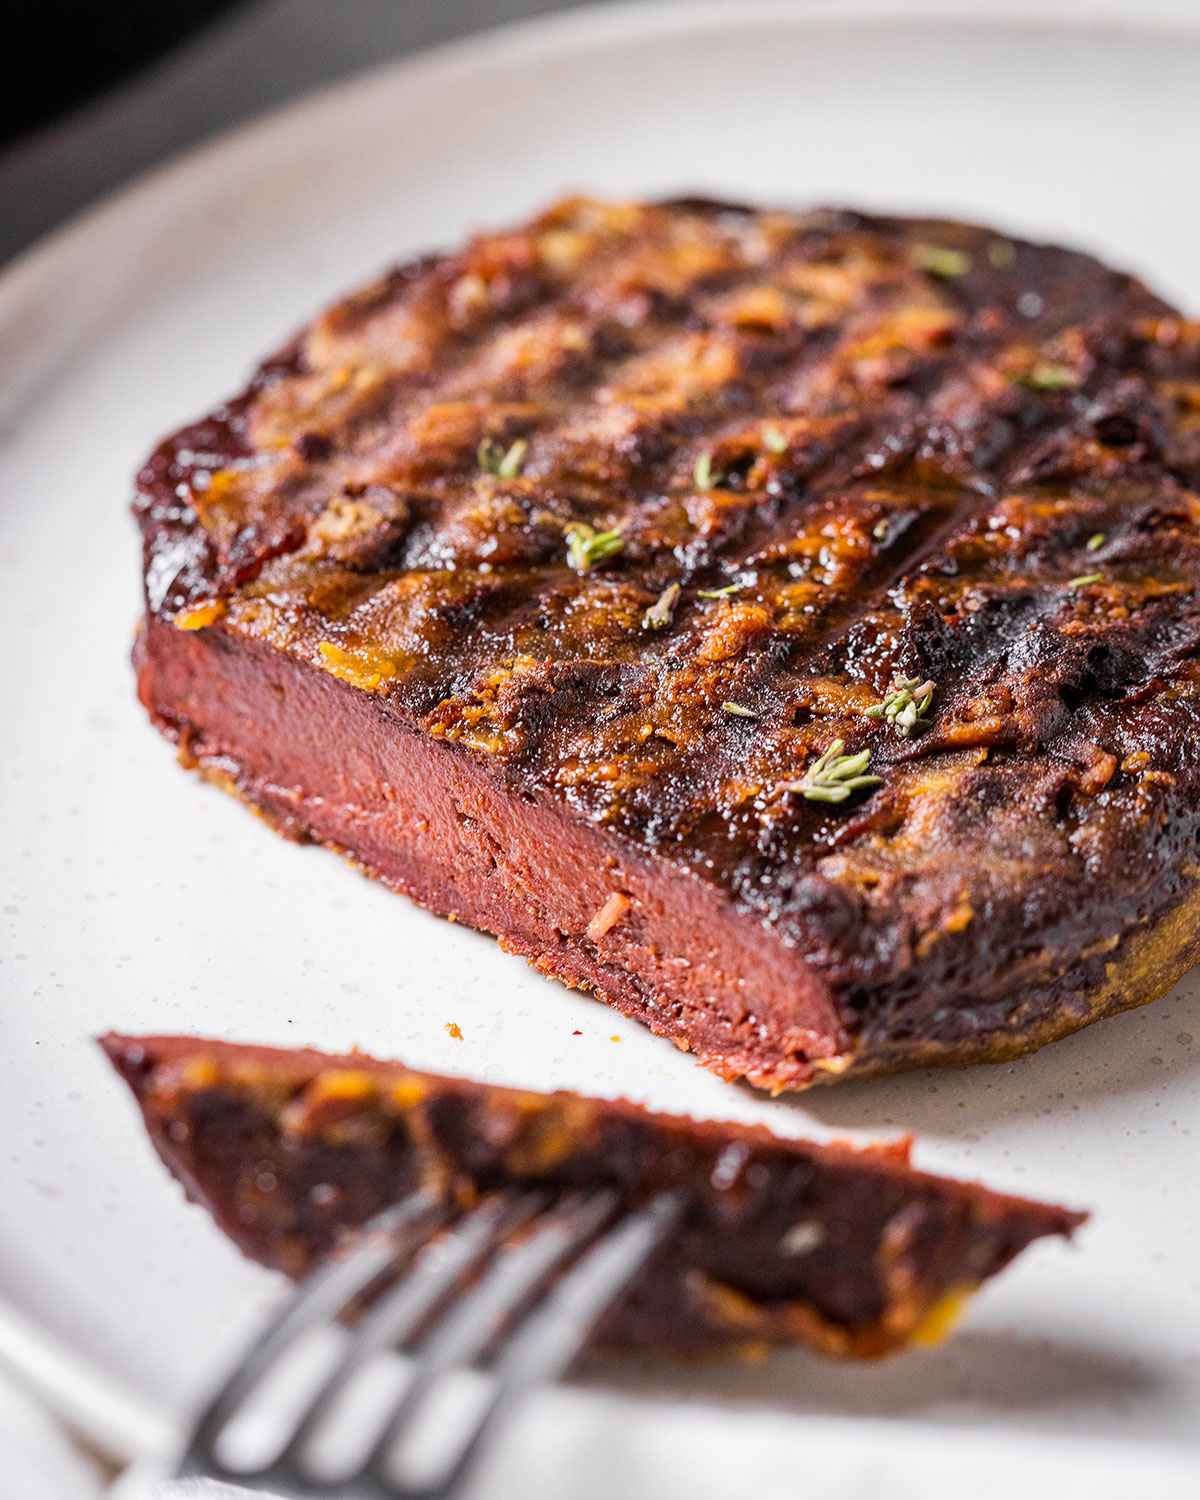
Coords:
pixel 850 1251
pixel 565 557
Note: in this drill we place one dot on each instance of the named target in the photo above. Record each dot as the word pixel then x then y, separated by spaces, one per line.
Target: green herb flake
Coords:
pixel 832 777
pixel 906 706
pixel 586 547
pixel 504 463
pixel 724 593
pixel 662 611
pixel 1048 376
pixel 941 260
pixel 1094 543
pixel 738 711
pixel 774 440
pixel 1084 579
pixel 706 477
pixel 1002 254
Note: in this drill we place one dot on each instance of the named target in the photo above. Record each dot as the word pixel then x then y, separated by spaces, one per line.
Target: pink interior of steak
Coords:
pixel 333 764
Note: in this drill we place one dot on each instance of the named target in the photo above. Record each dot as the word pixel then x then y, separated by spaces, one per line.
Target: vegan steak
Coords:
pixel 782 625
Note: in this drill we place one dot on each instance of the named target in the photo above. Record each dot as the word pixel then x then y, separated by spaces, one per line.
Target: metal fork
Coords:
pixel 520 1279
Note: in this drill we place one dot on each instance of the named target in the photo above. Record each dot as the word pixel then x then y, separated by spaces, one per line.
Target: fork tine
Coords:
pixel 392 1320
pixel 551 1286
pixel 546 1344
pixel 466 1331
pixel 316 1300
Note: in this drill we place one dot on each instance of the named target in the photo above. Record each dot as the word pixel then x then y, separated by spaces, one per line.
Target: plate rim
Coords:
pixel 76 1389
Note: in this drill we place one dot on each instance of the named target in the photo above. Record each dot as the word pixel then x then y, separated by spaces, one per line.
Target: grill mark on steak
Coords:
pixel 902 471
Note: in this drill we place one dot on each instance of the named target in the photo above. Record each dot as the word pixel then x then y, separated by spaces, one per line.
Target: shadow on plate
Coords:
pixel 1035 1382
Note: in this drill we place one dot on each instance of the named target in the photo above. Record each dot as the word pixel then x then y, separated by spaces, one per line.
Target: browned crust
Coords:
pixel 851 1252
pixel 1138 970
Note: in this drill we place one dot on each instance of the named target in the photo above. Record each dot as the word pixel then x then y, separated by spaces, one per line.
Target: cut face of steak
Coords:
pixel 781 625
pixel 849 1251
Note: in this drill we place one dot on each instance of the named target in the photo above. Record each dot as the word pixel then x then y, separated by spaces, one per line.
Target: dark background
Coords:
pixel 97 91
pixel 69 50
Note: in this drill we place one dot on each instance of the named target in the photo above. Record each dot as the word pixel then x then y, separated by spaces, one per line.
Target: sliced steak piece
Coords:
pixel 849 1251
pixel 781 625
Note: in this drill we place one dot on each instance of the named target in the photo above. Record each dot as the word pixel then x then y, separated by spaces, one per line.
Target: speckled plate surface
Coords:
pixel 135 897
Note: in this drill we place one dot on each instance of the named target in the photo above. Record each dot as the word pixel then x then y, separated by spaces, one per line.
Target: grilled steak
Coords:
pixel 782 625
pixel 850 1251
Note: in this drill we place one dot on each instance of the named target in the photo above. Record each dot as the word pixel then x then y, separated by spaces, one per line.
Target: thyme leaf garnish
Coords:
pixel 1084 579
pixel 1048 376
pixel 940 260
pixel 504 463
pixel 662 611
pixel 739 711
pixel 832 777
pixel 723 593
pixel 1002 254
pixel 774 440
pixel 1094 543
pixel 706 477
pixel 586 547
pixel 906 706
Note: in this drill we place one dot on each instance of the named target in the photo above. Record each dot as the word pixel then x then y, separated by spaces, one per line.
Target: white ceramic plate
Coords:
pixel 135 897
